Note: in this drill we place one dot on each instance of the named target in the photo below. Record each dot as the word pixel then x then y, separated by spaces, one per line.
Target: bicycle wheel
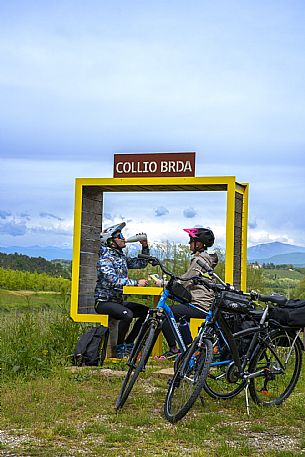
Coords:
pixel 279 359
pixel 140 354
pixel 223 381
pixel 188 380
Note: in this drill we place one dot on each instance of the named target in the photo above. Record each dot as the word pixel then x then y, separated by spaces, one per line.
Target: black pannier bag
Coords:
pixel 292 314
pixel 179 292
pixel 91 347
pixel 237 323
pixel 235 303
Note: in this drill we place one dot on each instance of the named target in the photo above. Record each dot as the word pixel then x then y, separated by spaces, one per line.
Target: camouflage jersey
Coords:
pixel 112 273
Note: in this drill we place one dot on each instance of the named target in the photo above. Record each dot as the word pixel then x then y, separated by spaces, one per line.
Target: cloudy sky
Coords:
pixel 80 81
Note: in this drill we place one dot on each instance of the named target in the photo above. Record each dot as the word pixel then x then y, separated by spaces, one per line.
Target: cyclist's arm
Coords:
pixel 135 262
pixel 106 269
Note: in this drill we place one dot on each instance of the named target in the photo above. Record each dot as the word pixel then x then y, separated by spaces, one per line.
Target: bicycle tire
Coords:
pixel 138 362
pixel 277 382
pixel 188 380
pixel 223 382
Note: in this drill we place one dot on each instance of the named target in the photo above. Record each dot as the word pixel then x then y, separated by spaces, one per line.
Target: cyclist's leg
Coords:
pixel 188 312
pixel 179 311
pixel 120 312
pixel 139 311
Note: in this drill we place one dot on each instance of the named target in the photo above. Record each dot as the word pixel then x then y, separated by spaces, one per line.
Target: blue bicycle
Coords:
pixel 152 327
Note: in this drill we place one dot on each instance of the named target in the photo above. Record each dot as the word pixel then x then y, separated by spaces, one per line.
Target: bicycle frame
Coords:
pixel 163 311
pixel 259 332
pixel 165 308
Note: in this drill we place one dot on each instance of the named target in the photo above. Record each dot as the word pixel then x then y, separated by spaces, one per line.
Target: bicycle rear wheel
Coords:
pixel 188 380
pixel 139 357
pixel 223 381
pixel 279 359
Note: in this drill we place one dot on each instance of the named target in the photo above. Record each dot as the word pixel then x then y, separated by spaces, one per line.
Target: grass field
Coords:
pixel 28 300
pixel 279 273
pixel 51 409
pixel 72 413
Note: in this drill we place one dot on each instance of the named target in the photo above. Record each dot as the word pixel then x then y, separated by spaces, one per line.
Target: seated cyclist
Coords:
pixel 200 240
pixel 112 275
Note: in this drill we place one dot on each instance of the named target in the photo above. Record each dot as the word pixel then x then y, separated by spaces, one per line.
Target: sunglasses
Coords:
pixel 119 236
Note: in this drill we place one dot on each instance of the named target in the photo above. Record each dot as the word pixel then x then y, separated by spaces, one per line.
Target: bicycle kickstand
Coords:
pixel 201 399
pixel 247 396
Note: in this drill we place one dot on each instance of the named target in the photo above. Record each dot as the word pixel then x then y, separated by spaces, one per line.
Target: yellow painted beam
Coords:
pixel 135 290
pixel 229 266
pixel 244 240
pixel 76 252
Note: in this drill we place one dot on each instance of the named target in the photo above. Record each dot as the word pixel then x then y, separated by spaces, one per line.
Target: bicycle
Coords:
pixel 152 327
pixel 269 369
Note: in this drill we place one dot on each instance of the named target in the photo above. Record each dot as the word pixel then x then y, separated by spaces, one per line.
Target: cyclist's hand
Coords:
pixel 143 242
pixel 142 282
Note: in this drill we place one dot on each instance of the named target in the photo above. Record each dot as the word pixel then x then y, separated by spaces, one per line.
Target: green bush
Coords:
pixel 23 280
pixel 36 343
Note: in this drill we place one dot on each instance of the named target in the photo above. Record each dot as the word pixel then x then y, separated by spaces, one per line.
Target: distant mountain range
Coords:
pixel 277 253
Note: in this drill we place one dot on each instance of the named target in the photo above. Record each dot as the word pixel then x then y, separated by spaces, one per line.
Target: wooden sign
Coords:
pixel 154 165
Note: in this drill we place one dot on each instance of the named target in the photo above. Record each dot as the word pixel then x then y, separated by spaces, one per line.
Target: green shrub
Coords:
pixel 23 280
pixel 36 343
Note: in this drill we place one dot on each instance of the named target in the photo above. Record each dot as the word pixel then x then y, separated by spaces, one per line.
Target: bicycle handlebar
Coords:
pixel 155 261
pixel 273 298
pixel 253 295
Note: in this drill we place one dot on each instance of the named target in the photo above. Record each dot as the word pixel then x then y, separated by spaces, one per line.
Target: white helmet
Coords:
pixel 108 232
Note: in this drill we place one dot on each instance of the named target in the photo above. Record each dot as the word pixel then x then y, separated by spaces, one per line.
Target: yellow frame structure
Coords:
pixel 88 219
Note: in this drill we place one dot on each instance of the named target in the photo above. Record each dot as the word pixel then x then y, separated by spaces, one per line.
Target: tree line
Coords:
pixel 35 264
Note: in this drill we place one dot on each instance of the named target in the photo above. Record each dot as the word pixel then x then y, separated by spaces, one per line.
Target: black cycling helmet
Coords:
pixel 109 233
pixel 205 235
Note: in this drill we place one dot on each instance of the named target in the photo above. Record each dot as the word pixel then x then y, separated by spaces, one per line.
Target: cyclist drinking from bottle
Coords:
pixel 112 275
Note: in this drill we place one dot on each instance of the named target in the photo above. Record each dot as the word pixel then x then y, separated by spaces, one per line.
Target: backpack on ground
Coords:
pixel 91 347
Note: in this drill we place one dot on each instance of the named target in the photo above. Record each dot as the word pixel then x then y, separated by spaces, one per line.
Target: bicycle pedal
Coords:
pixel 264 392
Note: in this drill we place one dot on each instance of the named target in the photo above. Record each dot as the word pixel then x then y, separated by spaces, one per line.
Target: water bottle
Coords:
pixel 138 237
pixel 185 331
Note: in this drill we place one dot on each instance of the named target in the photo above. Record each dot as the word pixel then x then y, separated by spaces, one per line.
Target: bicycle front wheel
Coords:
pixel 188 380
pixel 278 360
pixel 138 360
